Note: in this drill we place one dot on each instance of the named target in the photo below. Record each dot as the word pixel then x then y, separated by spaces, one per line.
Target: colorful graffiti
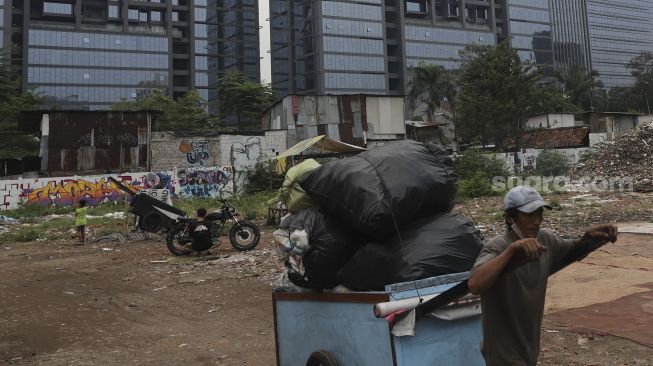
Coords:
pixel 204 182
pixel 69 192
pixel 66 192
pixel 196 151
pixel 96 189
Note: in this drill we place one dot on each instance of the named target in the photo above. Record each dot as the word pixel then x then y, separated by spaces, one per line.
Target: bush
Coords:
pixel 475 161
pixel 262 179
pixel 478 185
pixel 552 163
pixel 475 171
pixel 24 235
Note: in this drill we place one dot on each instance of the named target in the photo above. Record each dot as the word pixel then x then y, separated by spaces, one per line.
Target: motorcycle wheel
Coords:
pixel 171 243
pixel 244 236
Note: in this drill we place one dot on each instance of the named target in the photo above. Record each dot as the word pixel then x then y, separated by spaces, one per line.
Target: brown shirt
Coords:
pixel 514 306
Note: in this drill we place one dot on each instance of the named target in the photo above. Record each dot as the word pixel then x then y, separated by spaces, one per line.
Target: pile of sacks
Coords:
pixel 378 218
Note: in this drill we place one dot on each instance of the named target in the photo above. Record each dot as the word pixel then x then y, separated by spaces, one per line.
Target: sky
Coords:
pixel 263 14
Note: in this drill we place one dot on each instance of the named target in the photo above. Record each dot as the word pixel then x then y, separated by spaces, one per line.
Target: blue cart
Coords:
pixel 340 329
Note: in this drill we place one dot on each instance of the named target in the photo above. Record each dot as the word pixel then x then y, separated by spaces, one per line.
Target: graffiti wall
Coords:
pixel 97 189
pixel 205 182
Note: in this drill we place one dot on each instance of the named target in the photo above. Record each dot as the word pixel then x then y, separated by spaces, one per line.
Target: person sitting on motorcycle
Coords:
pixel 200 234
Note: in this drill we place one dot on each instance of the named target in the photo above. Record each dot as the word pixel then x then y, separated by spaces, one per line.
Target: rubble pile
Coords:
pixel 631 156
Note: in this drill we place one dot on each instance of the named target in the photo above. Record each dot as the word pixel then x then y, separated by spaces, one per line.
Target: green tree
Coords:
pixel 245 99
pixel 641 67
pixel 549 98
pixel 430 85
pixel 186 113
pixel 14 144
pixel 583 88
pixel 495 93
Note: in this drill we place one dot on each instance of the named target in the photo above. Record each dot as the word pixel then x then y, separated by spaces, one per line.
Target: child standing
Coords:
pixel 80 220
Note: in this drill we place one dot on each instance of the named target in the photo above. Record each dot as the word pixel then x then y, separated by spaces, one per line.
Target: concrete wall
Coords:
pixel 97 189
pixel 170 151
pixel 551 120
pixel 528 158
pixel 199 153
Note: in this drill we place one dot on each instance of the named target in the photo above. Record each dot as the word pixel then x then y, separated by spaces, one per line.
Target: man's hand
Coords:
pixel 601 232
pixel 531 248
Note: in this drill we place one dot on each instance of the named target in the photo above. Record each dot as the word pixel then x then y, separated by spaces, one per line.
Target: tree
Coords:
pixel 186 113
pixel 246 100
pixel 641 67
pixel 429 85
pixel 495 92
pixel 583 88
pixel 14 144
pixel 548 98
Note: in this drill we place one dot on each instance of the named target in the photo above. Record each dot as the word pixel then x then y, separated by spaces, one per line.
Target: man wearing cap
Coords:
pixel 513 302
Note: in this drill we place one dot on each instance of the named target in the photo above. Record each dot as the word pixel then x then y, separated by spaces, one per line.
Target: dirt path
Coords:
pixel 115 304
pixel 109 305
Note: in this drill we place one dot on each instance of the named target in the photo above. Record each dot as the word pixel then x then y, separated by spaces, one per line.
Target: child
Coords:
pixel 80 220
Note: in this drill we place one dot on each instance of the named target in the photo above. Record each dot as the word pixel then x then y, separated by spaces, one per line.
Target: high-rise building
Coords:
pixel 367 46
pixel 92 54
pixel 618 31
pixel 528 26
pixel 571 46
pixel 343 47
pixel 233 43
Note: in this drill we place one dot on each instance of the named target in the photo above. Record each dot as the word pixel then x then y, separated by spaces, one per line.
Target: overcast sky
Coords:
pixel 263 14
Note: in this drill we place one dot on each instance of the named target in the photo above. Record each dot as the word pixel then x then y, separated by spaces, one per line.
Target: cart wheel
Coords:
pixel 321 358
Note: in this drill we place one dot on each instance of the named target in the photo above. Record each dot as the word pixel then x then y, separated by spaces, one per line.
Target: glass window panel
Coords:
pixel 58 8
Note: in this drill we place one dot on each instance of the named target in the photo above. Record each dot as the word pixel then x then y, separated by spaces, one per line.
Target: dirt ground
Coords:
pixel 131 304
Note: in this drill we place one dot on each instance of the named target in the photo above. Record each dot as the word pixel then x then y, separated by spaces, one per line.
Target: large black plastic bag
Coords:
pixel 331 246
pixel 382 189
pixel 433 246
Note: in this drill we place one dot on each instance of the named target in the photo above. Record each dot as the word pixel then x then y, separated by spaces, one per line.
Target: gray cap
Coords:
pixel 524 199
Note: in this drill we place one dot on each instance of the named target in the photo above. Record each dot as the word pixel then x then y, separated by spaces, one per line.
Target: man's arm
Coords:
pixel 598 232
pixel 486 274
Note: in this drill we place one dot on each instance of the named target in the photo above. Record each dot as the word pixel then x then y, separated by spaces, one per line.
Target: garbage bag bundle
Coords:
pixel 329 247
pixel 291 193
pixel 432 246
pixel 383 189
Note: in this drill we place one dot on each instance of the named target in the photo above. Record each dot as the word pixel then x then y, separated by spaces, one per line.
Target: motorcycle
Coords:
pixel 243 235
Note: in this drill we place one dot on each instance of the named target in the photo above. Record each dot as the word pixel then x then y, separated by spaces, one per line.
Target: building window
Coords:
pixel 133 14
pixel 417 8
pixel 114 11
pixel 142 16
pixel 155 16
pixel 175 16
pixel 57 8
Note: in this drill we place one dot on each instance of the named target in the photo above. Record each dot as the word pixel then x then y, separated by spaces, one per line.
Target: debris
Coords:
pixel 107 249
pixel 130 237
pixel 183 345
pixel 7 220
pixel 159 261
pixel 69 293
pixel 625 158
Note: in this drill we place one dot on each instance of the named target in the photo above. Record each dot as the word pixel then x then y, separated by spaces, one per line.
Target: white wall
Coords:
pixel 551 120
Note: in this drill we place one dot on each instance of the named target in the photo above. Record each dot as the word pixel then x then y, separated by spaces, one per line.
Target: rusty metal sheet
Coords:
pixel 346 134
pixel 97 140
